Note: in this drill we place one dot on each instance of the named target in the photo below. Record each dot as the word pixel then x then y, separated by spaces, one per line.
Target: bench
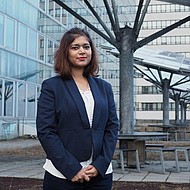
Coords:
pixel 152 146
pixel 121 157
pixel 186 151
pixel 161 150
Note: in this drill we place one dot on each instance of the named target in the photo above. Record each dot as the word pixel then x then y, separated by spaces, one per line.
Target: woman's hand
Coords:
pixel 80 176
pixel 91 171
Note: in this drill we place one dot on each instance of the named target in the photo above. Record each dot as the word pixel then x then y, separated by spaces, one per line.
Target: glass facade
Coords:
pixel 30 32
pixel 28 39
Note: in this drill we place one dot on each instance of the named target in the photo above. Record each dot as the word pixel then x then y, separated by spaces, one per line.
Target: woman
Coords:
pixel 77 123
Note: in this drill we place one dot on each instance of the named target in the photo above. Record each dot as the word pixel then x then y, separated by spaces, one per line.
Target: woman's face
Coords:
pixel 80 53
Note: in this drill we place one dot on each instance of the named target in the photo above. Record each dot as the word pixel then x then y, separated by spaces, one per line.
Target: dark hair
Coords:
pixel 62 66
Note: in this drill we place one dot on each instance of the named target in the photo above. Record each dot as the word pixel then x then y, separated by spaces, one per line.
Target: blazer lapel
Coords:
pixel 78 101
pixel 97 102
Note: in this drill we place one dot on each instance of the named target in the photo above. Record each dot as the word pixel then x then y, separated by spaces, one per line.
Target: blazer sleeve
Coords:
pixel 110 136
pixel 46 123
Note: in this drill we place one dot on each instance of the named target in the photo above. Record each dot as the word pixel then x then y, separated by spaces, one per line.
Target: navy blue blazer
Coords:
pixel 63 127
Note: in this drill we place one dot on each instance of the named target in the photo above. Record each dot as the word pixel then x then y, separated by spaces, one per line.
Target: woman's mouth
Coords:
pixel 82 58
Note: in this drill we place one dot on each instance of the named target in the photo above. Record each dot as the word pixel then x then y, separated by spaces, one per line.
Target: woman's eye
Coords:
pixel 75 47
pixel 86 47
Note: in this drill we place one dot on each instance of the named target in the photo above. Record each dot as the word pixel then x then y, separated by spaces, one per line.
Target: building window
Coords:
pixel 171 8
pixel 42 57
pixel 50 44
pixel 1 101
pixel 10 33
pixel 9 98
pixel 1 30
pixel 32 46
pixel 149 106
pixel 22 39
pixel 147 90
pixel 42 43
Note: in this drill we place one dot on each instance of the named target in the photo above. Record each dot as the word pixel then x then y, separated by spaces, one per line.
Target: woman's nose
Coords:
pixel 81 50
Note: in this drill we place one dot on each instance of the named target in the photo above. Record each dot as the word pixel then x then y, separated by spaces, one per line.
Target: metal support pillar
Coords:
pixel 165 102
pixel 126 82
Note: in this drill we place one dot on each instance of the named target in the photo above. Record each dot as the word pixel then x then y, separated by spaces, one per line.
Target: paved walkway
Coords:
pixel 149 172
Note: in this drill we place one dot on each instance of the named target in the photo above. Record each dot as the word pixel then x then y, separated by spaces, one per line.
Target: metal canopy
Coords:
pixel 157 65
pixel 157 77
pixel 163 60
pixel 179 2
pixel 165 70
pixel 170 72
pixel 183 94
pixel 125 40
pixel 157 59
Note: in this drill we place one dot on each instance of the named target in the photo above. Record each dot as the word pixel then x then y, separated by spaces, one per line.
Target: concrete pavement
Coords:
pixel 150 172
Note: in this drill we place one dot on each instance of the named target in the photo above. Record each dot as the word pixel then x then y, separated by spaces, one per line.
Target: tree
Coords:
pixel 125 41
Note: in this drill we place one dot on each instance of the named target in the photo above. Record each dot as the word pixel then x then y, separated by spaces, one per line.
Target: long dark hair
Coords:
pixel 61 56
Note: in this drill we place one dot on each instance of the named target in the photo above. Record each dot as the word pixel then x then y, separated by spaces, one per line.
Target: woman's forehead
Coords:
pixel 80 39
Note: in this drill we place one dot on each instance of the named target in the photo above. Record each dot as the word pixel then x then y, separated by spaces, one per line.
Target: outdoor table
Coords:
pixel 137 141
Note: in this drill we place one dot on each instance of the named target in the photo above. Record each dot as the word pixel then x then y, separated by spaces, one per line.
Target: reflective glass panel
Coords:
pixel 22 39
pixel 1 30
pixel 8 97
pixel 22 66
pixel 31 101
pixel 41 47
pixel 21 89
pixel 34 2
pixel 10 33
pixel 32 71
pixel 33 17
pixel 1 85
pixel 2 5
pixel 1 63
pixel 9 67
pixel 50 51
pixel 32 44
pixel 42 4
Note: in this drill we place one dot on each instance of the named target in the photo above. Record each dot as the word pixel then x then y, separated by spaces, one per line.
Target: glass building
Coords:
pixel 30 32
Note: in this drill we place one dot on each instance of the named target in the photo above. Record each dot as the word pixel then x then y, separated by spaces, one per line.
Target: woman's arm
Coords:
pixel 103 160
pixel 46 122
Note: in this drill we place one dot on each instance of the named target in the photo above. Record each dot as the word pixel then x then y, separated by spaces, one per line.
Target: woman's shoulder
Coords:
pixel 101 81
pixel 52 79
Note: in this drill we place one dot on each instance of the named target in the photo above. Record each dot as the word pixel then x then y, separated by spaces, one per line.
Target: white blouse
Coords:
pixel 89 105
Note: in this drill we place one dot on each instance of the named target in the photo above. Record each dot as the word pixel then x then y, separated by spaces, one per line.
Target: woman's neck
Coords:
pixel 81 81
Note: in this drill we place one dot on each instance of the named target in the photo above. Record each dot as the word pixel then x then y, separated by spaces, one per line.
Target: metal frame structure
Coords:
pixel 124 39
